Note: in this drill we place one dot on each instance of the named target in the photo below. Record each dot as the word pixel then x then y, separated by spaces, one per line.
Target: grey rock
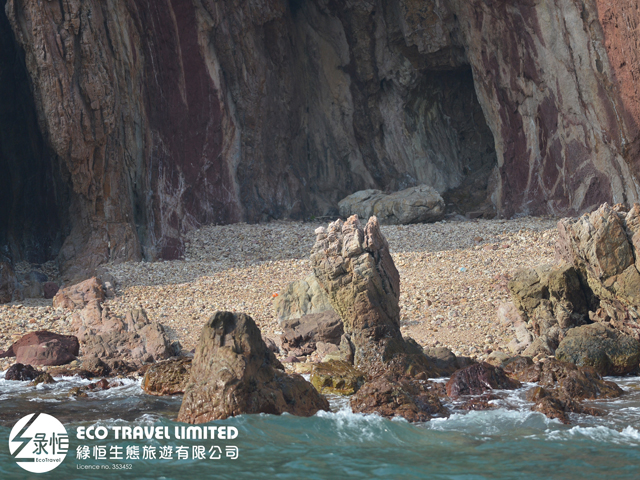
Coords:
pixel 419 204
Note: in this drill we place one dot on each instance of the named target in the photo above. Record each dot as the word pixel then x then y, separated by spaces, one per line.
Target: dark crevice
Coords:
pixel 31 198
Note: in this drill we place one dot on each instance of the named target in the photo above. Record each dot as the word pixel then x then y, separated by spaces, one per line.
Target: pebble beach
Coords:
pixel 453 278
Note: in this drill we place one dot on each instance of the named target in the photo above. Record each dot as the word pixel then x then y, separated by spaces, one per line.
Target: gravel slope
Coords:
pixel 453 277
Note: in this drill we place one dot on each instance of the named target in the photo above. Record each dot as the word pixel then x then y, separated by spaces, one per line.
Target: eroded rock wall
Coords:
pixel 172 114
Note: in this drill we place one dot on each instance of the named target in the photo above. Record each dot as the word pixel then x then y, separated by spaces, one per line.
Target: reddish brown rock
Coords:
pixel 477 379
pixel 80 295
pixel 169 377
pixel 415 401
pixel 233 372
pixel 44 348
pixel 21 372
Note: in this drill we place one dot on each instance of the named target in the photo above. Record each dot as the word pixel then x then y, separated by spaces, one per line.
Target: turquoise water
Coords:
pixel 507 443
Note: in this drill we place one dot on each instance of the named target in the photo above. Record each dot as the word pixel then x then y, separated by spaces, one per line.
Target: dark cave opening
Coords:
pixel 30 215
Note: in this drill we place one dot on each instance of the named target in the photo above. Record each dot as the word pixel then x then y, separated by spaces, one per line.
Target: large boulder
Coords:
pixel 305 332
pixel 477 379
pixel 21 372
pixel 302 297
pixel 78 296
pixel 399 397
pixel 355 268
pixel 169 377
pixel 9 287
pixel 233 372
pixel 134 338
pixel 609 351
pixel 419 204
pixel 44 348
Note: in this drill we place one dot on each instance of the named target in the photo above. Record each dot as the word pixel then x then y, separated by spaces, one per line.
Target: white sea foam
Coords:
pixel 600 433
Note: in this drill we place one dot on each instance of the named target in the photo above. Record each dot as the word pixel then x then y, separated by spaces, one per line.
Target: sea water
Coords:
pixel 509 442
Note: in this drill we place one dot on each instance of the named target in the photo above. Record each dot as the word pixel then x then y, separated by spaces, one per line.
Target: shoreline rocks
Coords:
pixel 233 372
pixel 44 348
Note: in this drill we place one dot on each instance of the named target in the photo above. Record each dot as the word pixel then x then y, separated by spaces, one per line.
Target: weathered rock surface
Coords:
pixel 44 348
pixel 135 337
pixel 356 270
pixel 78 296
pixel 477 379
pixel 601 245
pixel 421 204
pixel 336 377
pixel 415 401
pixel 169 377
pixel 21 372
pixel 305 332
pixel 233 372
pixel 562 386
pixel 302 297
pixel 601 347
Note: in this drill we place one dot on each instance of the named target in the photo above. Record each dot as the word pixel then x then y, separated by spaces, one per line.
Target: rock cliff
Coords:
pixel 126 123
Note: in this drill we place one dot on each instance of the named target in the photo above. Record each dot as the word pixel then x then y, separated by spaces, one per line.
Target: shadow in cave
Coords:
pixel 30 195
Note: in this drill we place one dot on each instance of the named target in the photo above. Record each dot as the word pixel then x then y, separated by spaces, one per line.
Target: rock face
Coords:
pixel 89 291
pixel 276 109
pixel 305 332
pixel 167 378
pixel 302 297
pixel 603 246
pixel 356 270
pixel 421 204
pixel 233 372
pixel 44 348
pixel 608 351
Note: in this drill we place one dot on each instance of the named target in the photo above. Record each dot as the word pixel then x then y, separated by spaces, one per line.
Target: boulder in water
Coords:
pixel 169 377
pixel 477 379
pixel 336 377
pixel 44 348
pixel 233 372
pixel 607 350
pixel 21 372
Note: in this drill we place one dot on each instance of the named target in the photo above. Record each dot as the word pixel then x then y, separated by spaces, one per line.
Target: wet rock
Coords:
pixel 79 295
pixel 96 367
pixel 9 288
pixel 413 400
pixel 302 297
pixel 21 372
pixel 522 369
pixel 336 377
pixel 601 347
pixel 481 402
pixel 354 266
pixel 78 392
pixel 477 379
pixel 233 372
pixel 44 378
pixel 44 348
pixel 169 377
pixel 307 330
pixel 421 204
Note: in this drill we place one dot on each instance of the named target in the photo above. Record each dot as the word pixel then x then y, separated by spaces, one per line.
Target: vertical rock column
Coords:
pixel 356 270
